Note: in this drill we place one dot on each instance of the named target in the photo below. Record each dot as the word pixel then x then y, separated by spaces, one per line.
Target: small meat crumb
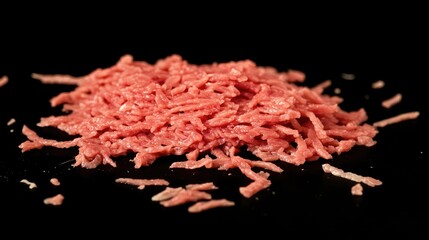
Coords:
pixel 337 90
pixel 11 121
pixel 348 76
pixel 378 84
pixel 357 190
pixel 3 81
pixel 55 181
pixel 55 200
pixel 31 185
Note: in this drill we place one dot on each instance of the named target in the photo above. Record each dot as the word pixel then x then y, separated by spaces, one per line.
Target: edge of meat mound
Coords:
pixel 207 112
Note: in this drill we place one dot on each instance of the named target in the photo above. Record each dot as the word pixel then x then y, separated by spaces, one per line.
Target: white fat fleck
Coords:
pixel 348 76
pixel 122 107
pixel 337 90
pixel 11 121
pixel 31 185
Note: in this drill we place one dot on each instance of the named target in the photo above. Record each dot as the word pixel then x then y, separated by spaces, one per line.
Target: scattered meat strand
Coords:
pixel 167 193
pixel 54 200
pixel 142 183
pixel 396 119
pixel 185 196
pixel 370 181
pixel 390 102
pixel 56 78
pixel 209 204
pixel 170 197
pixel 176 196
pixel 201 186
pixel 206 112
pixel 3 81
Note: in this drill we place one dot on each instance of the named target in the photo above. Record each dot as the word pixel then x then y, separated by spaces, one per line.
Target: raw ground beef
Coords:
pixel 206 112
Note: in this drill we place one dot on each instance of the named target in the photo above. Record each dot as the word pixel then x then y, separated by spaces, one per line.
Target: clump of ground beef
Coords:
pixel 206 112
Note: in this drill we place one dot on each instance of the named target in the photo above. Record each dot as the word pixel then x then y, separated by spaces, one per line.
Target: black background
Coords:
pixel 383 43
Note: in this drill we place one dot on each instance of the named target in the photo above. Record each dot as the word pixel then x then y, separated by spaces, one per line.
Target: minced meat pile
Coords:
pixel 206 112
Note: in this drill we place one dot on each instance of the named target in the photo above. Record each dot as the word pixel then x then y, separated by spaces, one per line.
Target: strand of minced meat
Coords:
pixel 203 201
pixel 370 181
pixel 176 108
pixel 398 118
pixel 390 102
pixel 56 78
pixel 185 196
pixel 209 204
pixel 142 183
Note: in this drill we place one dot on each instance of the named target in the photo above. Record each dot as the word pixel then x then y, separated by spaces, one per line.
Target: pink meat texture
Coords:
pixel 55 200
pixel 206 112
pixel 392 101
pixel 192 193
pixel 3 80
pixel 357 189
